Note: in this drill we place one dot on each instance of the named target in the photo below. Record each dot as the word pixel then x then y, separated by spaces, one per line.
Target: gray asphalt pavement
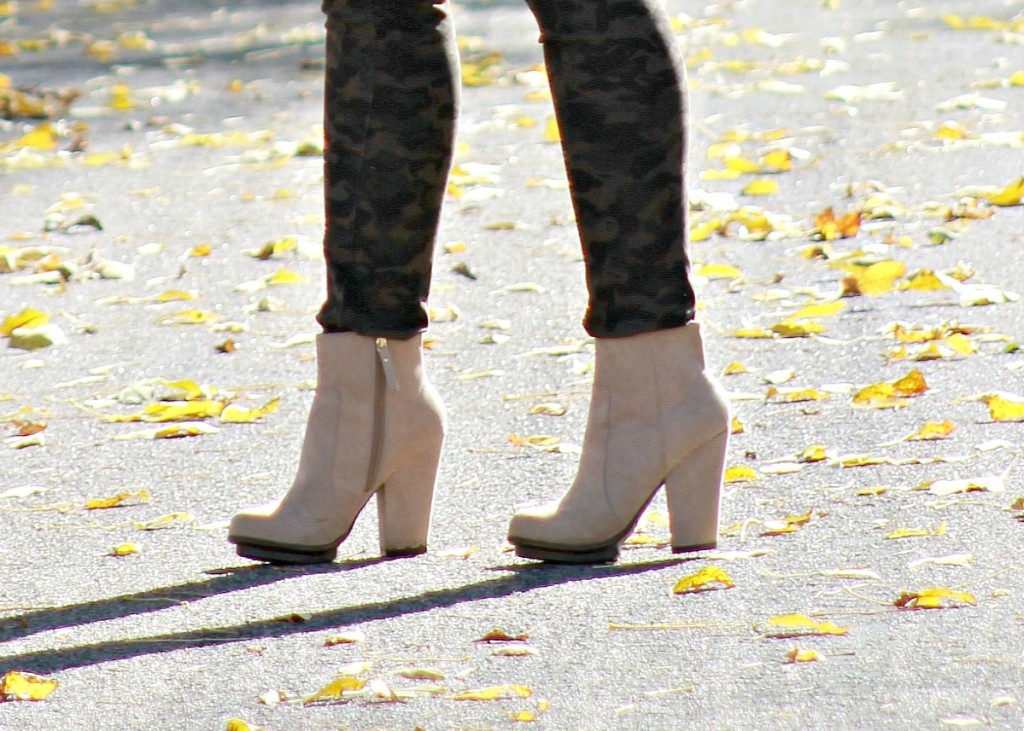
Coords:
pixel 195 112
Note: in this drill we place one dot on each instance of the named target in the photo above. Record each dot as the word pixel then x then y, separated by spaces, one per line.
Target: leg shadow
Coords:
pixel 516 580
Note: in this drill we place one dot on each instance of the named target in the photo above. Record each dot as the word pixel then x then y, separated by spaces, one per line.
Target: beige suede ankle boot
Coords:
pixel 656 418
pixel 375 428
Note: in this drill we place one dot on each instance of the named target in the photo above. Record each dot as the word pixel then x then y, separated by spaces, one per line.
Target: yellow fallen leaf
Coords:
pixel 742 165
pixel 708 578
pixel 891 394
pixel 235 414
pixel 974 22
pixel 123 549
pixel 171 520
pixel 960 344
pixel 540 441
pixel 933 598
pixel 905 334
pixel 702 231
pixel 500 635
pixel 189 317
pixel 549 409
pixel 494 693
pixel 734 368
pixel 722 150
pixel 1004 409
pixel 718 271
pixel 117 501
pixel 421 674
pixel 274 248
pixel 175 295
pixel 187 390
pixel 898 354
pixel 878 396
pixel 753 333
pixel 717 174
pixel 514 651
pixel 791 329
pixel 28 317
pixel 912 384
pixel 335 691
pixel 932 431
pixel 739 474
pixel 873 491
pixel 795 395
pixel 761 187
pixel 778 528
pixel 823 309
pixel 551 131
pixel 1011 195
pixel 800 518
pixel 42 137
pixel 796 655
pixel 786 626
pixel 877 279
pixel 172 431
pixel 902 532
pixel 813 453
pixel 479 68
pixel 283 277
pixel 829 227
pixel 121 98
pixel 924 281
pixel 168 411
pixel 777 161
pixel 21 686
pixel 36 338
pixel 237 724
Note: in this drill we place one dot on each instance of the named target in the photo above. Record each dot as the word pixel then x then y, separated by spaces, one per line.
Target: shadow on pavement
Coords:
pixel 520 579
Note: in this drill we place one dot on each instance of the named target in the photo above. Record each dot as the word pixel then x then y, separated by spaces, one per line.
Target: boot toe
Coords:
pixel 251 522
pixel 534 523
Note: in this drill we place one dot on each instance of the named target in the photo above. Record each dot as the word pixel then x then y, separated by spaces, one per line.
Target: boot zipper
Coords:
pixel 385 362
pixel 384 380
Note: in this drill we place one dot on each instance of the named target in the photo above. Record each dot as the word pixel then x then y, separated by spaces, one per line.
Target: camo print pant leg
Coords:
pixel 391 105
pixel 618 87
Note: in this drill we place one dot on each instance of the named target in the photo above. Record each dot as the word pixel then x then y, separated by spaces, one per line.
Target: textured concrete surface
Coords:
pixel 185 635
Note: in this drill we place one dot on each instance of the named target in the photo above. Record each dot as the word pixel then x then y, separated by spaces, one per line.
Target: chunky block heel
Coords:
pixel 404 505
pixel 693 490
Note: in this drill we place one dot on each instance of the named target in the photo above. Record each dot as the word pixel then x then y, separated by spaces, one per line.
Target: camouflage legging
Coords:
pixel 392 92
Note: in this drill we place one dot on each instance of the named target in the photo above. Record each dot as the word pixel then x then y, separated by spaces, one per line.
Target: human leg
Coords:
pixel 391 105
pixel 617 82
pixel 656 417
pixel 377 424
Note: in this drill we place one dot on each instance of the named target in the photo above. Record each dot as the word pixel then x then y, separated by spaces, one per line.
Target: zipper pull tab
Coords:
pixel 385 362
